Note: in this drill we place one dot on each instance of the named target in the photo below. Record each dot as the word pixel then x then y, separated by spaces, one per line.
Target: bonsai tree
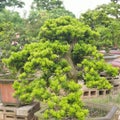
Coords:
pixel 46 62
pixel 55 63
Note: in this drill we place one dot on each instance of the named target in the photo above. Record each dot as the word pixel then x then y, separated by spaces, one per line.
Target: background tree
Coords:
pixel 10 24
pixel 104 19
pixel 11 3
pixel 43 10
pixel 111 9
pixel 55 13
pixel 10 16
pixel 47 4
pixel 37 18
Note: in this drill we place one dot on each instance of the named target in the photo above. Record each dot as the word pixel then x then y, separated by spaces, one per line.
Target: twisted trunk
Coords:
pixel 73 72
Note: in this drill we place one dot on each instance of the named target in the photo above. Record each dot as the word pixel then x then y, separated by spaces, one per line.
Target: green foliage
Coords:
pixel 38 17
pixel 52 84
pixel 18 60
pixel 92 65
pixel 111 71
pixel 111 9
pixel 7 31
pixel 93 18
pixel 82 51
pixel 44 10
pixel 47 4
pixel 105 20
pixel 66 107
pixel 11 24
pixel 67 29
pixel 56 13
pixel 10 16
pixel 44 68
pixel 11 3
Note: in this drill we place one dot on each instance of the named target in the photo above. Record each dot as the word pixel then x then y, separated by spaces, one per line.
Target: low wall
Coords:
pixel 91 93
pixel 94 93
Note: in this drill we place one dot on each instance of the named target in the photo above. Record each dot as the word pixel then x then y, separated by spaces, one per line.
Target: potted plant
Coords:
pixel 7 91
pixel 6 86
pixel 9 83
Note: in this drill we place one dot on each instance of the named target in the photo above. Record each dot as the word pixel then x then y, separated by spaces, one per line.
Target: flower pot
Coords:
pixel 6 93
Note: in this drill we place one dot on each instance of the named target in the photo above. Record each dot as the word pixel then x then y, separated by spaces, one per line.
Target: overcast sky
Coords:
pixel 75 6
pixel 80 6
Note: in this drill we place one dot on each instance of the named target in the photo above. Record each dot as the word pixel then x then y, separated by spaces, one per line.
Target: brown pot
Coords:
pixel 6 93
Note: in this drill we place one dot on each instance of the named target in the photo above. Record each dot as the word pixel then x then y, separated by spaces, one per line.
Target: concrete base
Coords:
pixel 19 113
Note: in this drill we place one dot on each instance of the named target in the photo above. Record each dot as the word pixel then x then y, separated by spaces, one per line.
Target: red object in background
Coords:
pixel 6 93
pixel 114 52
pixel 116 62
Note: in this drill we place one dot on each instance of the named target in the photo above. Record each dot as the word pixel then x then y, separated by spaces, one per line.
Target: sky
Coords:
pixel 75 6
pixel 80 6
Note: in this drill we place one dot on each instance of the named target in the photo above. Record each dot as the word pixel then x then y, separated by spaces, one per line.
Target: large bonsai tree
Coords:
pixel 55 64
pixel 45 62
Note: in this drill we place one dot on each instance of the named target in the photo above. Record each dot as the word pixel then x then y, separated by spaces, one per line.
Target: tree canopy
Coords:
pixel 11 3
pixel 105 20
pixel 11 24
pixel 66 29
pixel 47 4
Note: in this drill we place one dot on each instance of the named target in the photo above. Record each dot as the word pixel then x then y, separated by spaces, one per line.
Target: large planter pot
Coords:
pixel 6 93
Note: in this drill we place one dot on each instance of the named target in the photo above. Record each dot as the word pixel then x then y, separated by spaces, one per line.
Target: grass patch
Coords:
pixel 109 99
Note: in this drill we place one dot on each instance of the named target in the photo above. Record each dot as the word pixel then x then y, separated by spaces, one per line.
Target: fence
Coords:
pixel 101 112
